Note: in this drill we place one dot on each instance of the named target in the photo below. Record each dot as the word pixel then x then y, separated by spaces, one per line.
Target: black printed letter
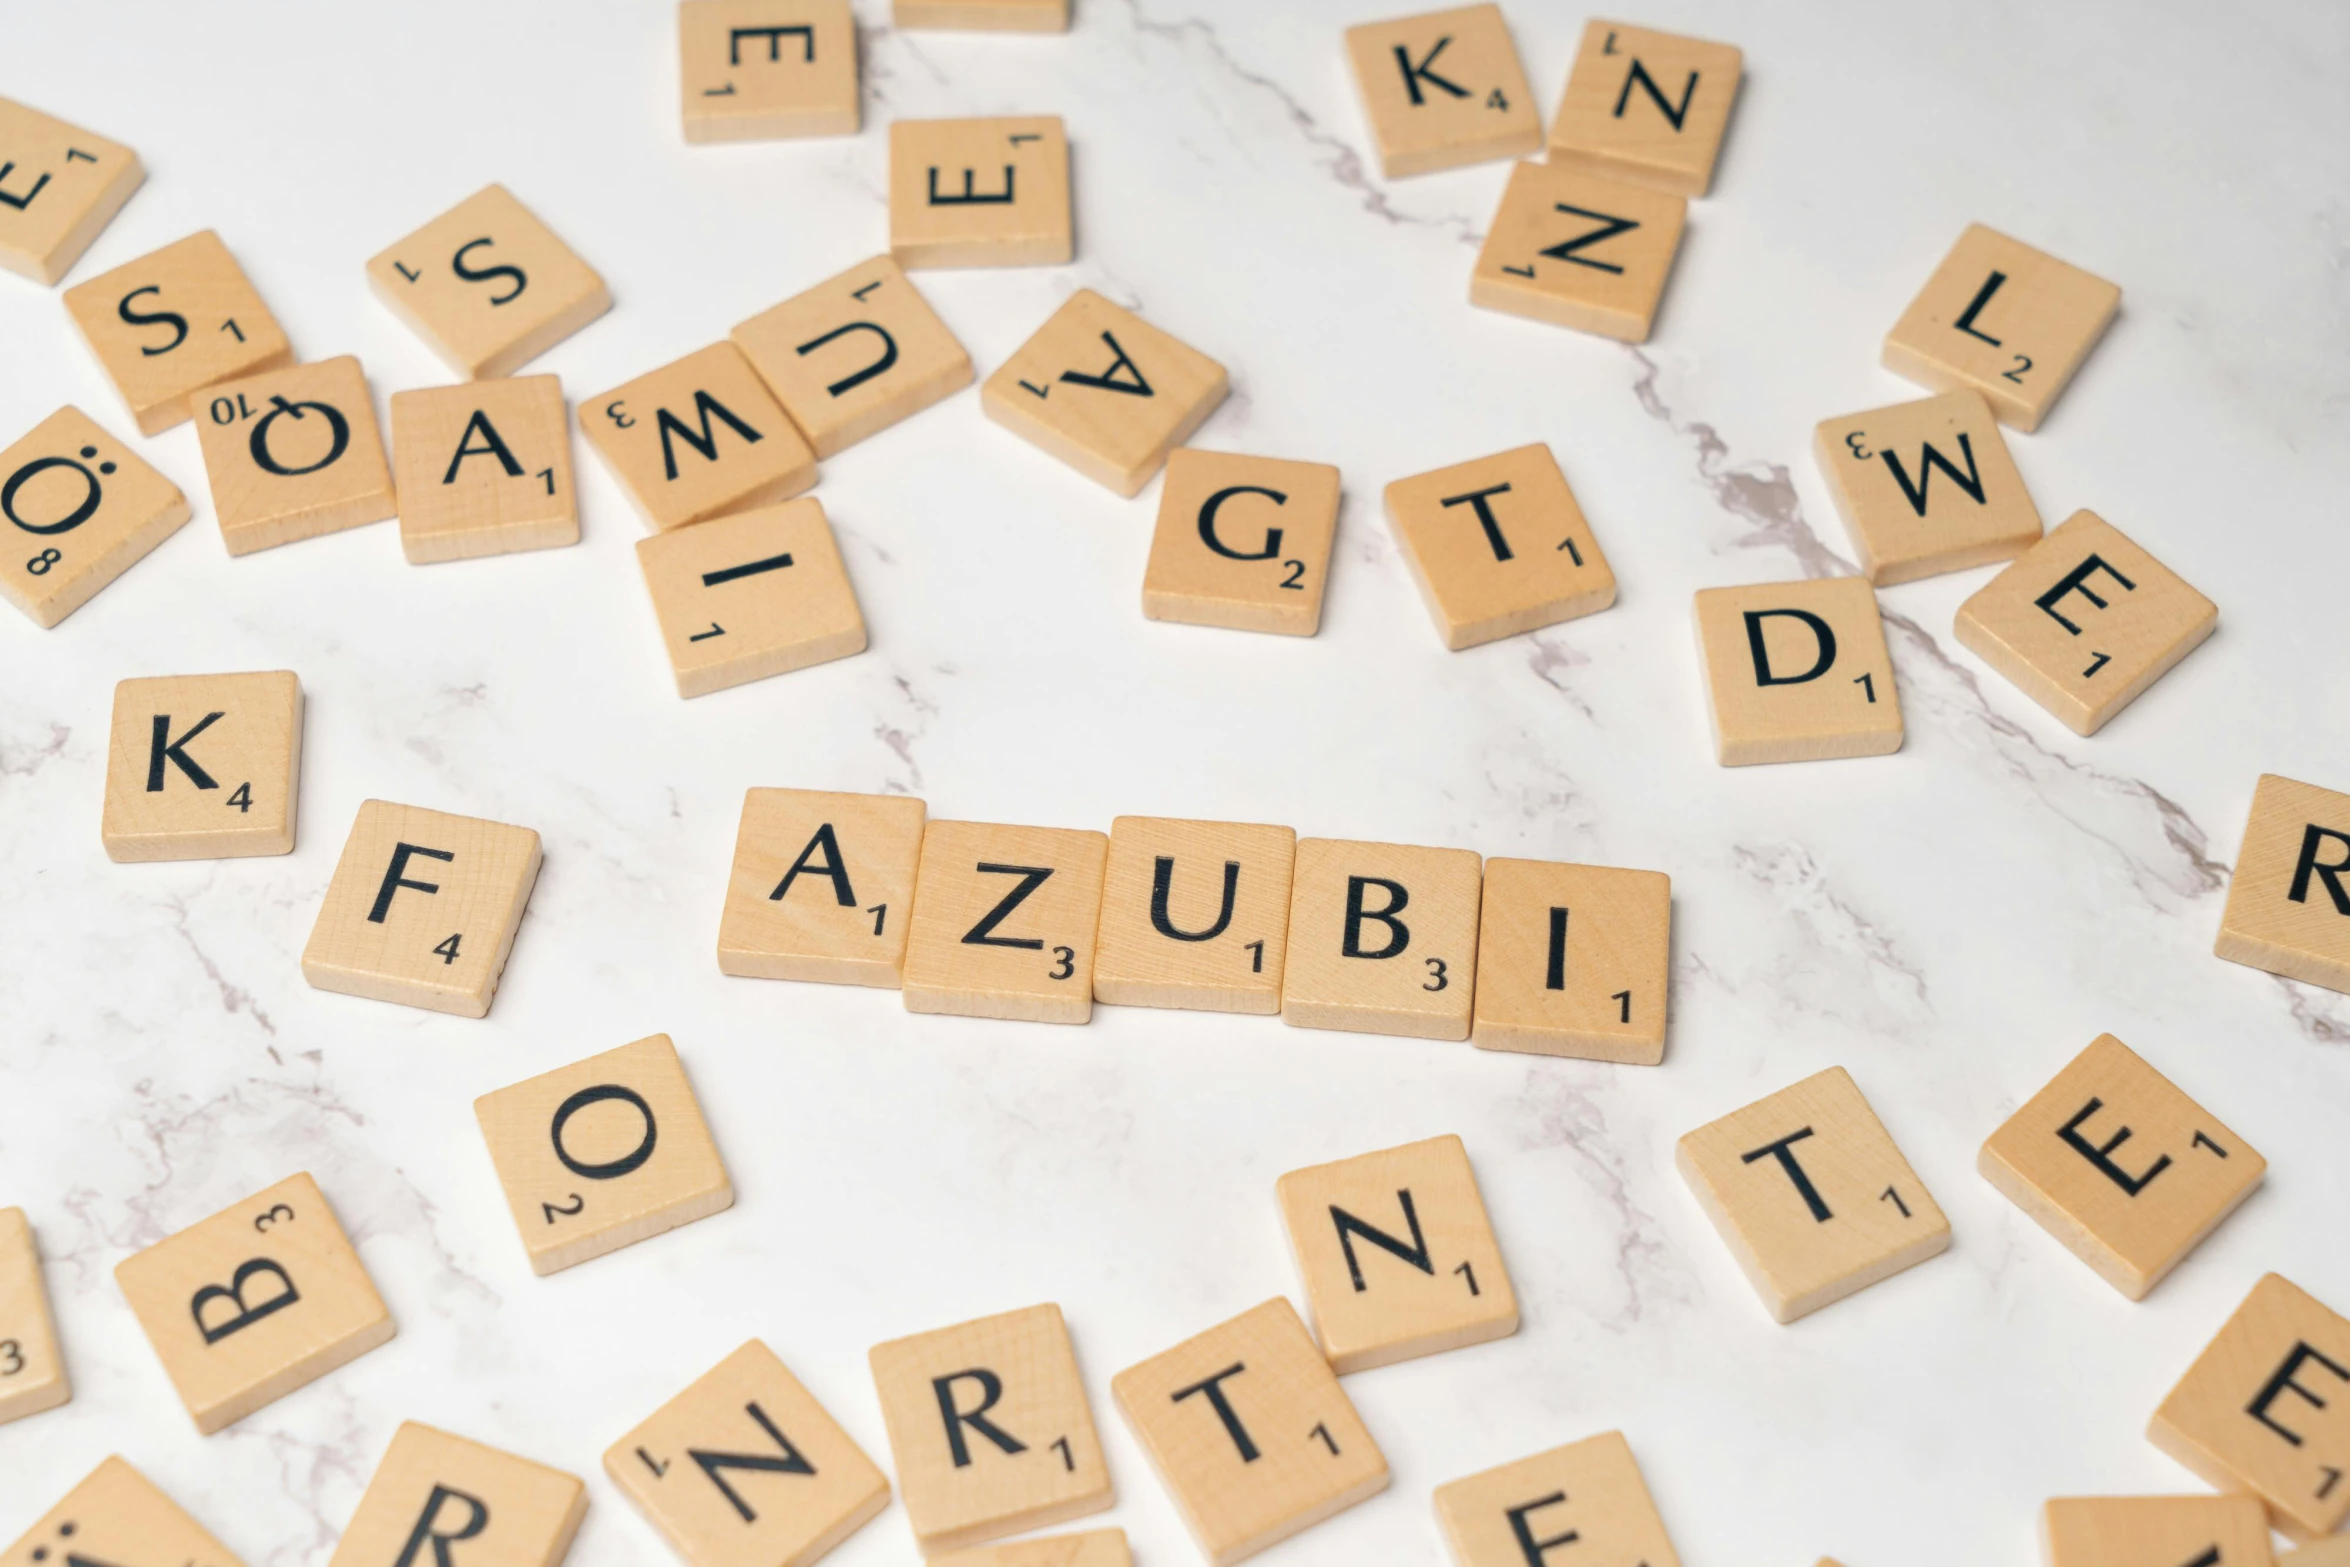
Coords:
pixel 425 1531
pixel 991 1391
pixel 832 867
pixel 1783 1150
pixel 1762 653
pixel 1399 935
pixel 1214 1388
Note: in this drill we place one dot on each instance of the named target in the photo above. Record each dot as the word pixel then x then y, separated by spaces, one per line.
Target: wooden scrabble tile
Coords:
pixel 32 1368
pixel 422 909
pixel 603 1153
pixel 745 1469
pixel 990 1427
pixel 1811 1196
pixel 174 322
pixel 1248 1429
pixel 2334 1552
pixel 2288 907
pixel 756 594
pixel 1574 960
pixel 59 188
pixel 484 468
pixel 822 887
pixel 1194 915
pixel 1093 1548
pixel 1397 1255
pixel 1498 546
pixel 1382 939
pixel 1004 922
pixel 2130 1531
pixel 203 767
pixel 1442 90
pixel 116 1515
pixel 488 286
pixel 2266 1408
pixel 293 454
pixel 1263 564
pixel 86 508
pixel 1105 391
pixel 2085 622
pixel 992 16
pixel 764 70
pixel 854 355
pixel 264 1297
pixel 1578 250
pixel 1646 106
pixel 433 1490
pixel 1881 466
pixel 2005 320
pixel 980 193
pixel 1589 1494
pixel 2118 1164
pixel 698 438
pixel 1797 672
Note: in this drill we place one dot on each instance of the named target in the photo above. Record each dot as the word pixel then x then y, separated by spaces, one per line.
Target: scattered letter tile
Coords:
pixel 2331 1552
pixel 755 594
pixel 1442 90
pixel 2289 906
pixel 488 286
pixel 1811 1196
pixel 1382 939
pixel 2085 622
pixel 117 1515
pixel 422 909
pixel 698 438
pixel 1093 1548
pixel 2130 1531
pixel 433 1490
pixel 854 355
pixel 765 70
pixel 1498 546
pixel 1248 1429
pixel 32 1370
pixel 1588 1494
pixel 1578 250
pixel 2002 319
pixel 293 454
pixel 203 767
pixel 991 1429
pixel 603 1153
pixel 822 887
pixel 1105 391
pixel 260 1299
pixel 86 508
pixel 2118 1164
pixel 484 468
pixel 1242 542
pixel 980 193
pixel 1797 672
pixel 745 1469
pixel 2266 1409
pixel 173 323
pixel 1195 915
pixel 1004 922
pixel 1909 520
pixel 1574 960
pixel 1397 1255
pixel 1646 106
pixel 992 16
pixel 59 189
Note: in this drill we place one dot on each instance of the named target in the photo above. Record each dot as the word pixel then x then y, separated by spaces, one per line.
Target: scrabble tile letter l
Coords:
pixel 2005 320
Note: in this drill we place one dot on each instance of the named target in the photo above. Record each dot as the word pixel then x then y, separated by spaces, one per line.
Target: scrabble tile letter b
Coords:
pixel 32 1372
pixel 1005 924
pixel 422 909
pixel 2266 1409
pixel 174 322
pixel 203 767
pixel 1248 1428
pixel 1105 391
pixel 1498 546
pixel 488 286
pixel 293 454
pixel 1646 106
pixel 59 188
pixel 698 438
pixel 1579 250
pixel 2289 905
pixel 117 1515
pixel 1588 1494
pixel 822 887
pixel 85 508
pixel 1443 90
pixel 980 193
pixel 1382 939
pixel 2002 319
pixel 433 1490
pixel 1798 672
pixel 764 70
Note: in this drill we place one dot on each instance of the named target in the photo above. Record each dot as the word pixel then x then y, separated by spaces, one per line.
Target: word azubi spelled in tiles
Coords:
pixel 294 454
pixel 203 767
pixel 754 594
pixel 1498 546
pixel 1242 543
pixel 264 1297
pixel 2288 907
pixel 1443 90
pixel 765 70
pixel 32 1370
pixel 993 16
pixel 1382 939
pixel 1646 106
pixel 483 468
pixel 822 887
pixel 1589 1495
pixel 174 322
pixel 434 1490
pixel 1881 468
pixel 61 187
pixel 1195 915
pixel 1004 923
pixel 2117 1531
pixel 1579 250
pixel 854 355
pixel 1797 672
pixel 698 438
pixel 116 1514
pixel 2002 319
pixel 83 509
pixel 488 286
pixel 980 193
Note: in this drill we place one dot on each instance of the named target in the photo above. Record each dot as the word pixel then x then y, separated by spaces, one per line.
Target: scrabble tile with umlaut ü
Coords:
pixel 62 185
pixel 294 454
pixel 1881 469
pixel 745 1469
pixel 1442 90
pixel 1382 938
pixel 993 16
pixel 484 468
pixel 1646 106
pixel 1574 960
pixel 2288 908
pixel 488 286
pixel 1242 543
pixel 822 887
pixel 603 1153
pixel 766 70
pixel 87 509
pixel 1194 915
pixel 174 322
pixel 2128 1531
pixel 1004 922
pixel 980 193
pixel 854 355
pixel 1797 672
pixel 698 438
pixel 1579 250
pixel 117 1515
pixel 32 1367
pixel 1248 1429
pixel 2005 320
pixel 751 595
pixel 262 1298
pixel 434 1490
pixel 203 767
pixel 991 1428
pixel 1498 546
pixel 1587 1495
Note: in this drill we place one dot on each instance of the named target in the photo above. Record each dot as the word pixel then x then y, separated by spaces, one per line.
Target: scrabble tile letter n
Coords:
pixel 83 509
pixel 1646 106
pixel 1811 1196
pixel 59 188
pixel 991 1428
pixel 256 1301
pixel 1248 1428
pixel 1574 960
pixel 698 438
pixel 764 70
pixel 1005 923
pixel 2002 319
pixel 745 1469
pixel 1797 672
pixel 293 454
pixel 173 323
pixel 1105 391
pixel 203 767
pixel 1881 468
pixel 32 1372
pixel 1579 250
pixel 1242 542
pixel 1498 546
pixel 433 1490
pixel 2118 1531
pixel 422 909
pixel 980 193
pixel 1382 939
pixel 822 887
pixel 1195 914
pixel 488 286
pixel 2289 906
pixel 1443 90
pixel 2266 1409
pixel 1588 1494
pixel 117 1515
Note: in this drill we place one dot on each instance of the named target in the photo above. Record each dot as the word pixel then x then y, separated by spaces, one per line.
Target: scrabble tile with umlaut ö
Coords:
pixel 1498 546
pixel 2127 1531
pixel 991 16
pixel 854 355
pixel 294 454
pixel 1574 960
pixel 698 438
pixel 32 1368
pixel 438 1497
pixel 1586 1501
pixel 86 508
pixel 764 70
pixel 116 1515
pixel 2288 908
pixel 751 595
pixel 487 285
pixel 980 193
pixel 1646 106
pixel 822 887
pixel 1797 672
pixel 61 187
pixel 203 767
pixel 2002 319
pixel 1442 90
pixel 483 468
pixel 1195 915
pixel 1242 542
pixel 1926 487
pixel 603 1153
pixel 174 322
pixel 1382 938
pixel 262 1298
pixel 1579 250
pixel 1004 922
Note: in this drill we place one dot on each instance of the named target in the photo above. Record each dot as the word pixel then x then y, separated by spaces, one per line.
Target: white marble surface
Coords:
pixel 1951 923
